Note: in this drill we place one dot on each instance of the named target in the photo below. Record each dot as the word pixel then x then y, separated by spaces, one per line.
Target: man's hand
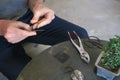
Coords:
pixel 42 15
pixel 15 31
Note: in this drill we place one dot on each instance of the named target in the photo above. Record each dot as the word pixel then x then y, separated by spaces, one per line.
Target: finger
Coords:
pixel 34 26
pixel 35 17
pixel 50 15
pixel 32 33
pixel 24 26
pixel 29 33
pixel 46 20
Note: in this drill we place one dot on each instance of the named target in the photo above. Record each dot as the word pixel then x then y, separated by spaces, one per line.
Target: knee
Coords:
pixel 83 33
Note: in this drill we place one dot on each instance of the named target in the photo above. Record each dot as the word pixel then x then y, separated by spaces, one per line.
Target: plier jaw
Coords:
pixel 84 55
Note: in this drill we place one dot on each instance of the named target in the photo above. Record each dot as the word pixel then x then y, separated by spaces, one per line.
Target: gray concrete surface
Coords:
pixel 101 18
pixel 2 77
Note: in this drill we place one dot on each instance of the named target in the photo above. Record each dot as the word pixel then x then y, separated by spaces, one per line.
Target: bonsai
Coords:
pixel 111 60
pixel 108 62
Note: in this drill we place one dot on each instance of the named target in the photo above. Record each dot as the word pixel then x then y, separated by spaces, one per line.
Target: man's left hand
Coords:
pixel 42 16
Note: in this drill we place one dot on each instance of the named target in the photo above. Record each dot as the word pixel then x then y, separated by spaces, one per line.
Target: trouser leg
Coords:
pixel 55 32
pixel 12 59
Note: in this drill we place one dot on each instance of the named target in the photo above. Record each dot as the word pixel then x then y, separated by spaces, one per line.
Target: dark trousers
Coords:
pixel 13 57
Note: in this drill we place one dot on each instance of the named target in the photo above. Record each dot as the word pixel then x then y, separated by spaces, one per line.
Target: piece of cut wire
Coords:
pixel 93 42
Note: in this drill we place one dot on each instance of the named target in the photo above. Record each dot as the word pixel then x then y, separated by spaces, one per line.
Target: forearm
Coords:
pixel 33 3
pixel 1 21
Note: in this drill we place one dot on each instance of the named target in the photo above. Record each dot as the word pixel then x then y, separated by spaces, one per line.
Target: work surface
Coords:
pixel 55 63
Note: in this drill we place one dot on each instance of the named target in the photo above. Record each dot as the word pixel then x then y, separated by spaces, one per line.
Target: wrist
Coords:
pixel 1 21
pixel 33 3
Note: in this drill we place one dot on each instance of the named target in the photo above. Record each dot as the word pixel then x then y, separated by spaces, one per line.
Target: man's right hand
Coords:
pixel 15 31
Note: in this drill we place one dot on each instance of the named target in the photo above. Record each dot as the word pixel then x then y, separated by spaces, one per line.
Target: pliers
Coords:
pixel 83 54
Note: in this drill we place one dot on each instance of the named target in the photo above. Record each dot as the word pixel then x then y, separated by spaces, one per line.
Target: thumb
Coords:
pixel 35 18
pixel 30 33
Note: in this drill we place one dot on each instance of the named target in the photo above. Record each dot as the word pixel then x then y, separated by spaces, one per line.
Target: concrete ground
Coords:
pixel 100 18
